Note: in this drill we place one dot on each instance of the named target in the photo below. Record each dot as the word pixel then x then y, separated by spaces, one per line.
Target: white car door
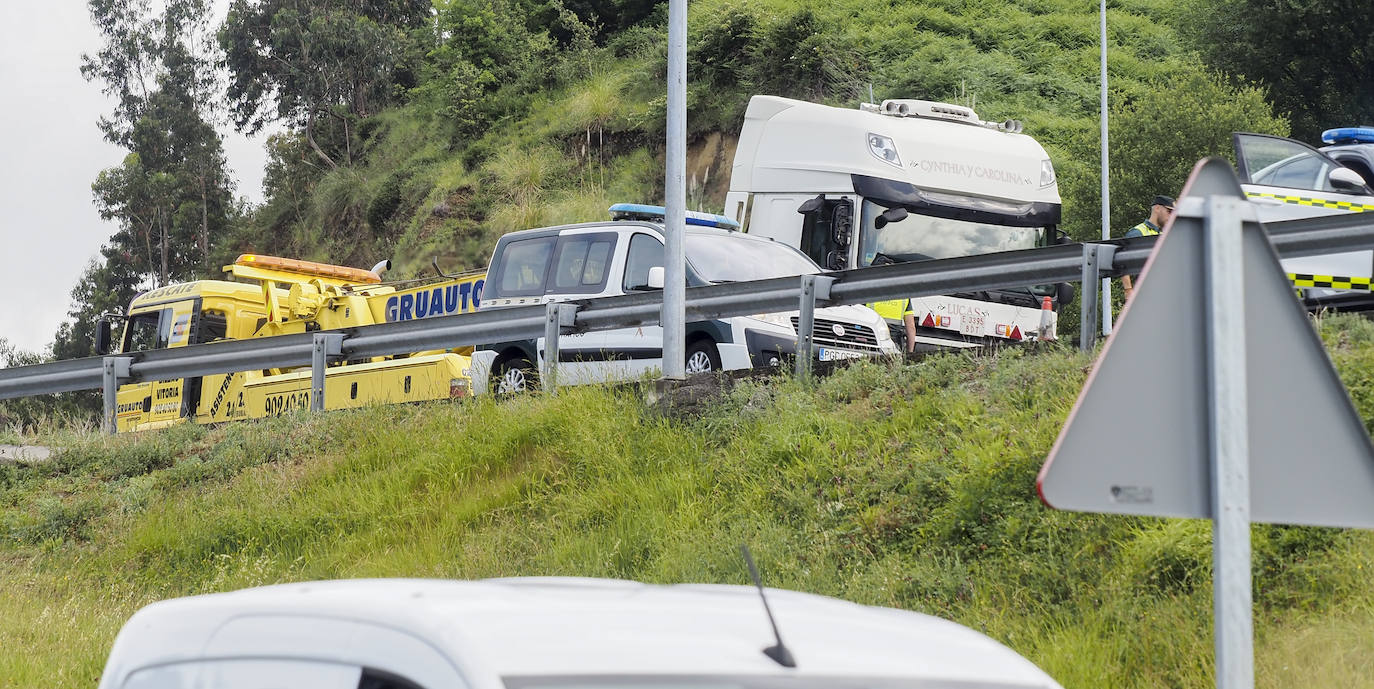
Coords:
pixel 1289 180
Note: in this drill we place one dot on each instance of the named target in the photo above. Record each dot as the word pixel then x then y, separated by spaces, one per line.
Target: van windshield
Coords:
pixel 719 258
pixel 922 237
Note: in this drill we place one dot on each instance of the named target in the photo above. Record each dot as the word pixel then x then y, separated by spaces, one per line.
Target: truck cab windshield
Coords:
pixel 922 237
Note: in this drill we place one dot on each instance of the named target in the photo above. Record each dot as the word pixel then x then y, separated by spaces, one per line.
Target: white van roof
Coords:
pixel 493 629
pixel 780 150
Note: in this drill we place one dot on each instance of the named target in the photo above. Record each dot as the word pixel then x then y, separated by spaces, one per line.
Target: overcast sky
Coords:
pixel 49 227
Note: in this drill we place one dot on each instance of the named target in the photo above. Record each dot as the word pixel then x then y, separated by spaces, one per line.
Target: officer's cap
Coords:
pixel 1166 201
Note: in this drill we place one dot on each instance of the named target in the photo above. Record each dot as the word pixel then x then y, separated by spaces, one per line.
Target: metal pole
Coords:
pixel 813 287
pixel 113 368
pixel 1229 442
pixel 325 345
pixel 1087 330
pixel 548 376
pixel 1106 195
pixel 675 198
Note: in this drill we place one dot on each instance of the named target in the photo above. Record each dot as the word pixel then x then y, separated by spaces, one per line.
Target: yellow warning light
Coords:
pixel 357 275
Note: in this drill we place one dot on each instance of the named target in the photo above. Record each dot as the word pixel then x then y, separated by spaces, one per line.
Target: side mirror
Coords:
pixel 102 336
pixel 811 205
pixel 1064 293
pixel 1062 237
pixel 1345 179
pixel 888 216
pixel 655 277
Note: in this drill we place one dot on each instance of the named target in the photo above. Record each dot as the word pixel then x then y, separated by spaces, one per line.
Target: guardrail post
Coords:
pixel 1096 257
pixel 813 287
pixel 1087 324
pixel 557 318
pixel 114 369
pixel 326 345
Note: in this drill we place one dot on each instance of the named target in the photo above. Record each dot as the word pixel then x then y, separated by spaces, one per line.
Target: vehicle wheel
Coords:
pixel 702 357
pixel 514 376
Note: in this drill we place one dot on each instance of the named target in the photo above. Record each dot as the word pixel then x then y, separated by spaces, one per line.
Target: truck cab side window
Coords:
pixel 645 253
pixel 145 332
pixel 213 325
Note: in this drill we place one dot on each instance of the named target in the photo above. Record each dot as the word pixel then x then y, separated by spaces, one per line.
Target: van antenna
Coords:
pixel 434 261
pixel 779 652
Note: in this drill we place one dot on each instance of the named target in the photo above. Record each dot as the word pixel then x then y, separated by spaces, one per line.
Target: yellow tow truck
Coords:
pixel 277 296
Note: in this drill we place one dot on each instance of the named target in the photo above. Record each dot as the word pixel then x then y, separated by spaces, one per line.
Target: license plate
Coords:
pixel 972 325
pixel 837 354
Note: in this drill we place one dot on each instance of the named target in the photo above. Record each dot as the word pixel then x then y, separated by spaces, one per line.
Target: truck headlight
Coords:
pixel 1046 173
pixel 884 149
pixel 781 320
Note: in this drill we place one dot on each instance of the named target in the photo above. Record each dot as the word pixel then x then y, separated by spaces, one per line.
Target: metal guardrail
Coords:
pixel 1084 263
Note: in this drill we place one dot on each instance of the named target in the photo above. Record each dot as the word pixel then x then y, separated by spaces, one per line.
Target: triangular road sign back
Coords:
pixel 1136 441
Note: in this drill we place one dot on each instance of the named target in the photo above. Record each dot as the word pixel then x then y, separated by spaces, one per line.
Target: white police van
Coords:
pixel 549 633
pixel 1288 180
pixel 626 255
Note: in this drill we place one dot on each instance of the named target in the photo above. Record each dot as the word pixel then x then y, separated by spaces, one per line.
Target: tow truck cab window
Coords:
pixel 147 331
pixel 213 325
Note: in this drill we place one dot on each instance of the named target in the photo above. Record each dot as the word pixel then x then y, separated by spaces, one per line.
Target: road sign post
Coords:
pixel 1221 441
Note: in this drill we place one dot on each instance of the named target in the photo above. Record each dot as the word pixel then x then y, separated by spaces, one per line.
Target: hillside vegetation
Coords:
pixel 906 484
pixel 422 129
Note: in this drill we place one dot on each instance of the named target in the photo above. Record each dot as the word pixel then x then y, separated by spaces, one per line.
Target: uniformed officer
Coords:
pixel 901 319
pixel 1160 209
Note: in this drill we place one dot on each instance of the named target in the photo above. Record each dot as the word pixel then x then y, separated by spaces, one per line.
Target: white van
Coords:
pixel 911 180
pixel 551 633
pixel 625 255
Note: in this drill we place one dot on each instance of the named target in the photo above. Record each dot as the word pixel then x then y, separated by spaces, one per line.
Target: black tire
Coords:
pixel 702 357
pixel 514 375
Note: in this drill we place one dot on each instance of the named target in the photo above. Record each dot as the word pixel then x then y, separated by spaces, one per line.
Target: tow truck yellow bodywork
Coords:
pixel 276 296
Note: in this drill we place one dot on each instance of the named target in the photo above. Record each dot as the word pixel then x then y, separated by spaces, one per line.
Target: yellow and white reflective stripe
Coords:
pixel 1310 201
pixel 1330 281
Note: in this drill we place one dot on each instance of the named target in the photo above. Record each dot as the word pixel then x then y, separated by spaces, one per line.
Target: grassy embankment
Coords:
pixel 908 485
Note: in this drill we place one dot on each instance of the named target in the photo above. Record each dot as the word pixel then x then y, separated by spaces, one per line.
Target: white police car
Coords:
pixel 626 255
pixel 553 633
pixel 1289 180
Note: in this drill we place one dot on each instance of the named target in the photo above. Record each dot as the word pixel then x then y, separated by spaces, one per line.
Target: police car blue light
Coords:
pixel 1349 135
pixel 639 211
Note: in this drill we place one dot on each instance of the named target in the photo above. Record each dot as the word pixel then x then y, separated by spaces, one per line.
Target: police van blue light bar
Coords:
pixel 1349 135
pixel 639 211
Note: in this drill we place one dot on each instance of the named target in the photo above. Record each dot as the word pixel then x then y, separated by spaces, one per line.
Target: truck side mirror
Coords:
pixel 842 224
pixel 888 216
pixel 102 336
pixel 811 205
pixel 1062 237
pixel 655 277
pixel 1064 293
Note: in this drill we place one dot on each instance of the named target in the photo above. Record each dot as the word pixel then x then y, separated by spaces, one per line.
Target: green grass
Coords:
pixel 899 484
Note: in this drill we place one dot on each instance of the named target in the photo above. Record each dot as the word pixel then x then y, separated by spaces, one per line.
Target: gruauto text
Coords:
pixel 437 301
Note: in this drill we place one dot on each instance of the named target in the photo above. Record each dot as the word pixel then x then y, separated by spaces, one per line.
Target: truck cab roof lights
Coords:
pixel 932 110
pixel 639 211
pixel 1349 135
pixel 291 265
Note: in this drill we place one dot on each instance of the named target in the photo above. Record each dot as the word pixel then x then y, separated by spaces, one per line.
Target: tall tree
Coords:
pixel 311 61
pixel 1316 57
pixel 170 198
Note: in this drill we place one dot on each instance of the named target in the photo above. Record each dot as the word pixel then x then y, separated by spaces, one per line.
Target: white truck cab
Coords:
pixel 545 633
pixel 626 255
pixel 1288 180
pixel 910 180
